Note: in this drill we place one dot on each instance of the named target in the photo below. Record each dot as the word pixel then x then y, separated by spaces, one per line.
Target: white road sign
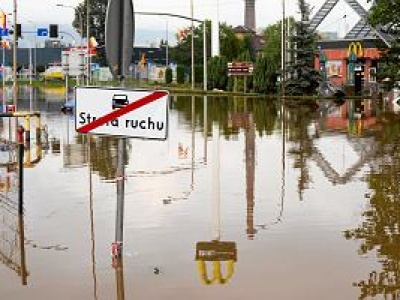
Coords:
pixel 121 112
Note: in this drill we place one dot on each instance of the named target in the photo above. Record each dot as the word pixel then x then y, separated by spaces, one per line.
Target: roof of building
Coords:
pixel 243 29
pixel 344 43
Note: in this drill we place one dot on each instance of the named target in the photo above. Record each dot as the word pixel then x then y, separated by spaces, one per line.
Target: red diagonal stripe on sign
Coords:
pixel 122 111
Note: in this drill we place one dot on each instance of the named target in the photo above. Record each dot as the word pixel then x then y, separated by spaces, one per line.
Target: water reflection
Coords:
pixel 261 154
pixel 216 252
pixel 12 238
pixel 118 265
pixel 379 233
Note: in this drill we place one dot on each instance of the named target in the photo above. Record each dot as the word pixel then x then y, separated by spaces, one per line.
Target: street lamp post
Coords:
pixel 204 36
pixel 192 46
pixel 15 84
pixel 283 50
pixel 166 43
pixel 34 54
pixel 88 58
pixel 80 16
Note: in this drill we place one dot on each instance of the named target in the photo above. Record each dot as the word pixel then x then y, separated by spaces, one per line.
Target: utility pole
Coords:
pixel 283 50
pixel 192 30
pixel 89 59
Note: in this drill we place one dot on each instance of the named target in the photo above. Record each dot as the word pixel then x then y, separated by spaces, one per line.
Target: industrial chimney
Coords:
pixel 250 14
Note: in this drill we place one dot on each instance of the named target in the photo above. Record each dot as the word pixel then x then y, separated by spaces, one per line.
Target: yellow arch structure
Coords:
pixel 217 274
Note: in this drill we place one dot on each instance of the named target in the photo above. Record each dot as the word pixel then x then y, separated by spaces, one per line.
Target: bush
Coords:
pixel 168 76
pixel 217 73
pixel 198 73
pixel 40 69
pixel 180 74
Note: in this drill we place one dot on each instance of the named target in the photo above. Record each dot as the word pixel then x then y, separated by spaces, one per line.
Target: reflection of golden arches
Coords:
pixel 32 163
pixel 217 275
pixel 359 127
pixel 356 128
pixel 356 48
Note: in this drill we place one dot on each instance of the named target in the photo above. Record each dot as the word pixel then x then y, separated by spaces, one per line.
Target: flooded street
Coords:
pixel 245 199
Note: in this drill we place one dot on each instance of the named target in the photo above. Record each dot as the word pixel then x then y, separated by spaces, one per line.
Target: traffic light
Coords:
pixel 53 30
pixel 19 30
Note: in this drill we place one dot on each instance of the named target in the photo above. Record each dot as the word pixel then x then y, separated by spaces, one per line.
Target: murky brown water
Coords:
pixel 290 204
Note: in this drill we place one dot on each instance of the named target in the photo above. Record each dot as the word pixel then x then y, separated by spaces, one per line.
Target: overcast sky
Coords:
pixel 44 12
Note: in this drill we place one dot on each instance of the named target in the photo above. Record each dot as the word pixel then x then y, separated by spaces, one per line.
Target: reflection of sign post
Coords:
pixel 216 252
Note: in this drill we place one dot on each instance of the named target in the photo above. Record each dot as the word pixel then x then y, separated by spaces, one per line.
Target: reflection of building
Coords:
pixel 353 117
pixel 245 120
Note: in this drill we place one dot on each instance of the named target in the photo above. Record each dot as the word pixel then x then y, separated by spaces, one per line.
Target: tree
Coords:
pixel 303 78
pixel 387 14
pixel 268 65
pixel 230 45
pixel 97 21
pixel 217 73
pixel 180 74
pixel 168 76
pixel 182 52
pixel 265 75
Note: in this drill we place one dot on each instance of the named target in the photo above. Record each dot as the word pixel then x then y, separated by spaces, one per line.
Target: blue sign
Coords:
pixel 95 67
pixel 42 32
pixel 3 32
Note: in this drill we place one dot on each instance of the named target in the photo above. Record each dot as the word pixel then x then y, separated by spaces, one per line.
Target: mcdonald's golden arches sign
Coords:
pixel 356 48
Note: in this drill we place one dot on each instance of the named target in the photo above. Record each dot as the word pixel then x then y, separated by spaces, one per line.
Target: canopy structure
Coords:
pixel 361 30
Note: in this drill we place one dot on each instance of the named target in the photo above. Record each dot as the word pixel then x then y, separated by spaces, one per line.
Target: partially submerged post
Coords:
pixel 119 50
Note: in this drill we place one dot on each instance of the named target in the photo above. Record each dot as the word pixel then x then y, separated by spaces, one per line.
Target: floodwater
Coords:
pixel 246 201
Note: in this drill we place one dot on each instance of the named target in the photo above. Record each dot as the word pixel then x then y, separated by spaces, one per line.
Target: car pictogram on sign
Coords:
pixel 119 101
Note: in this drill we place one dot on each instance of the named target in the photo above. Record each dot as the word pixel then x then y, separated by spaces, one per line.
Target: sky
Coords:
pixel 44 12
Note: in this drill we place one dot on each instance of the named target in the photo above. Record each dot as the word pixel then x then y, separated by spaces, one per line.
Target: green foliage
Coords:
pixel 387 14
pixel 182 52
pixel 217 73
pixel 180 74
pixel 40 69
pixel 230 45
pixel 265 75
pixel 268 65
pixel 97 21
pixel 303 78
pixel 168 76
pixel 198 73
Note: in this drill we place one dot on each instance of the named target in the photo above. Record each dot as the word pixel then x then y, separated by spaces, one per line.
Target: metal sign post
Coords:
pixel 119 49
